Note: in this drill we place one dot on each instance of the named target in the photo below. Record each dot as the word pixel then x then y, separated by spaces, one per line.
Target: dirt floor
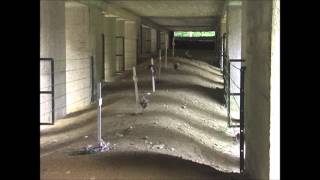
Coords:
pixel 181 134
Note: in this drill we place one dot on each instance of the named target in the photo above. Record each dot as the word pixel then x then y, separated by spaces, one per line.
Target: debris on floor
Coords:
pixel 119 134
pixel 144 102
pixel 176 65
pixel 68 172
pixel 158 146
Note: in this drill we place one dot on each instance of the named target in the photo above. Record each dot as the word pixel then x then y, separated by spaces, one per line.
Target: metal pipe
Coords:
pixel 135 80
pixel 166 52
pixel 99 113
pixel 152 74
pixel 242 120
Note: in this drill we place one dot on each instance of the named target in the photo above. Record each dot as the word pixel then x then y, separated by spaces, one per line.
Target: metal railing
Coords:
pixel 84 66
pixel 51 92
pixel 121 64
pixel 228 81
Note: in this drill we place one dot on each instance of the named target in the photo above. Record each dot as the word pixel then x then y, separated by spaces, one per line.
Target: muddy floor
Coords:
pixel 181 134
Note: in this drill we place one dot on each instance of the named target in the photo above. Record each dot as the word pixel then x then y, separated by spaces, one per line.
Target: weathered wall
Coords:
pixel 256 49
pixel 78 56
pixel 275 93
pixel 52 45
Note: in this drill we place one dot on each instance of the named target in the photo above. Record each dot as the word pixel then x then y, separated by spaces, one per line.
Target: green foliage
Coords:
pixel 194 34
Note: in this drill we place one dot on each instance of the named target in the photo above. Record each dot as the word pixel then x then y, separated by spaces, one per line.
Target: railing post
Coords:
pixel 92 79
pixel 52 90
pixel 228 95
pixel 160 63
pixel 242 120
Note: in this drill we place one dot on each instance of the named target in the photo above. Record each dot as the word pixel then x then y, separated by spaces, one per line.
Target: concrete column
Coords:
pixel 234 52
pixel 260 51
pixel 110 63
pixel 130 44
pixel 52 45
pixel 78 54
pixel 153 38
pixel 96 29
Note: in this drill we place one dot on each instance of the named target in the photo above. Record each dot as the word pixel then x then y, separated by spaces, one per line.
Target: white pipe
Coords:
pixel 99 113
pixel 152 74
pixel 135 80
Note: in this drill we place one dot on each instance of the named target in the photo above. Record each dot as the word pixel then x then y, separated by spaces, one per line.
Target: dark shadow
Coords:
pixel 169 167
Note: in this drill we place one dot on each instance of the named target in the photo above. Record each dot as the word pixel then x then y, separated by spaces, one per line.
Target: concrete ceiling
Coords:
pixel 176 15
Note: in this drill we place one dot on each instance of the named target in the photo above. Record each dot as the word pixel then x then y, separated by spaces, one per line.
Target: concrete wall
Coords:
pixel 256 49
pixel 78 54
pixel 71 33
pixel 52 45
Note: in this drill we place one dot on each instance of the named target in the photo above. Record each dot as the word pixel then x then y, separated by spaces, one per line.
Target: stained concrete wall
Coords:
pixel 78 54
pixel 256 49
pixel 52 45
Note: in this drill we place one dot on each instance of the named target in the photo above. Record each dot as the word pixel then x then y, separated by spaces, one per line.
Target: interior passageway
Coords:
pixel 213 111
